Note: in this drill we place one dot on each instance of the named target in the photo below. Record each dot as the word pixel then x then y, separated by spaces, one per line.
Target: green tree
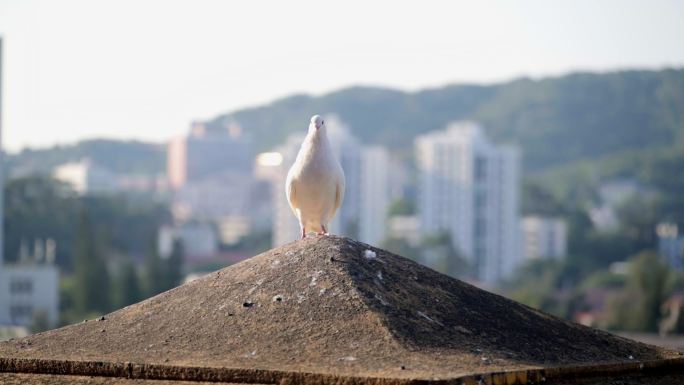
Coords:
pixel 39 208
pixel 90 271
pixel 155 277
pixel 42 208
pixel 67 308
pixel 254 243
pixel 665 174
pixel 126 288
pixel 648 276
pixel 538 200
pixel 401 206
pixel 537 283
pixel 638 218
pixel 40 322
pixel 438 252
pixel 174 265
pixel 401 247
pixel 352 229
pixel 130 222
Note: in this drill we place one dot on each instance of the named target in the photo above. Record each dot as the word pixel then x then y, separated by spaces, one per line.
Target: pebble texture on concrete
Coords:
pixel 338 307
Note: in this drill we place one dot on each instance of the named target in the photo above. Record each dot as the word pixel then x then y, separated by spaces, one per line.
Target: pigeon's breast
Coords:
pixel 317 177
pixel 317 186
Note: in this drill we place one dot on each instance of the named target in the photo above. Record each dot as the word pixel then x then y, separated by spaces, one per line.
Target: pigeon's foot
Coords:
pixel 303 233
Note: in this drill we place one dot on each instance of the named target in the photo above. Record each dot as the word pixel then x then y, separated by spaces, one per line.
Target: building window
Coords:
pixel 19 312
pixel 21 286
pixel 480 168
pixel 480 199
pixel 480 227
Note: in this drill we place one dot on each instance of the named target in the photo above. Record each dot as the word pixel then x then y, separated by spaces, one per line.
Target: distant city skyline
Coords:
pixel 128 70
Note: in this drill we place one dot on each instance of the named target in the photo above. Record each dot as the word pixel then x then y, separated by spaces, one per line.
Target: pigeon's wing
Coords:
pixel 291 192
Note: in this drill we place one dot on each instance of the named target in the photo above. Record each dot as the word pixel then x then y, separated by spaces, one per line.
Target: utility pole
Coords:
pixel 2 176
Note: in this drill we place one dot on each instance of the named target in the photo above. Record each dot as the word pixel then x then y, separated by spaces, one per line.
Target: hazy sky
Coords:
pixel 145 69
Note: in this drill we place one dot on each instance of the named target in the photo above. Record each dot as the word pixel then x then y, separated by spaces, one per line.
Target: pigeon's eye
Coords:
pixel 322 121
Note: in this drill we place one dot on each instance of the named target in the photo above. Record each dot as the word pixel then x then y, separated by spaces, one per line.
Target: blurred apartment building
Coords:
pixel 543 237
pixel 200 240
pixel 469 189
pixel 374 194
pixel 211 173
pixel 85 177
pixel 367 193
pixel 670 244
pixel 612 194
pixel 30 287
pixel 203 154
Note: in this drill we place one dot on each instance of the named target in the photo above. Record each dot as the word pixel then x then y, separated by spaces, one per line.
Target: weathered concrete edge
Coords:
pixel 252 376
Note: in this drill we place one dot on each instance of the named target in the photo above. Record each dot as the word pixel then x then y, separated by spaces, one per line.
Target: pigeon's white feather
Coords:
pixel 315 183
pixel 291 193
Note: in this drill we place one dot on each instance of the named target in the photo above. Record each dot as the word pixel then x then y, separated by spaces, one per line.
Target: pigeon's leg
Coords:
pixel 323 230
pixel 303 232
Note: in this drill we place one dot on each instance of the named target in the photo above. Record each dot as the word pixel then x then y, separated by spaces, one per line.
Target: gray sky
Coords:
pixel 144 69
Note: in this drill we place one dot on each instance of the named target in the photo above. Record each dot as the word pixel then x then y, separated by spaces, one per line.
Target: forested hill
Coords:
pixel 131 157
pixel 554 120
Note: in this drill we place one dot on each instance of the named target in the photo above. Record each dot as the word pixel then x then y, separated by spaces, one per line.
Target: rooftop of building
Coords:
pixel 328 310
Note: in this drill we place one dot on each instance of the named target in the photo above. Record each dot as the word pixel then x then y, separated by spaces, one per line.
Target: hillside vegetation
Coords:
pixel 554 120
pixel 127 157
pixel 621 122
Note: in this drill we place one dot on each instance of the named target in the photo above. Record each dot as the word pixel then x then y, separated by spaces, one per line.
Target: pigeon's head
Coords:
pixel 317 123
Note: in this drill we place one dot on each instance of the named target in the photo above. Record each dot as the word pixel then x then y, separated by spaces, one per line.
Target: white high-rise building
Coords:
pixel 85 177
pixel 349 152
pixel 366 197
pixel 374 194
pixel 285 225
pixel 543 237
pixel 469 188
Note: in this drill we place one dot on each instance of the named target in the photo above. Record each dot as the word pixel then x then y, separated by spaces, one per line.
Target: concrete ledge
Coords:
pixel 131 370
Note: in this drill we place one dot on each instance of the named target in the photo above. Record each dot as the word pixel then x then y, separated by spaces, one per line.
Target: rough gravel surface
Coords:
pixel 333 305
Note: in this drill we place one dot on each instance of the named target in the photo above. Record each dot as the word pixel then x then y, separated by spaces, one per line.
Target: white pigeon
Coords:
pixel 315 182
